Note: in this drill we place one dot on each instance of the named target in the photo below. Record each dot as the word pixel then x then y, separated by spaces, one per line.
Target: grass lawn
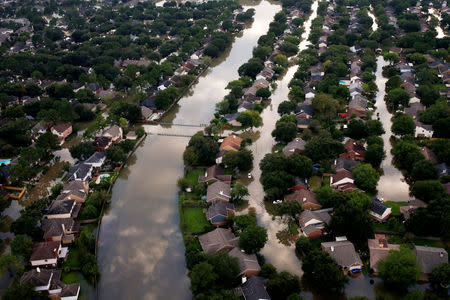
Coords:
pixel 192 176
pixel 429 243
pixel 395 206
pixel 72 277
pixel 382 227
pixel 73 261
pixel 315 182
pixel 293 229
pixel 194 219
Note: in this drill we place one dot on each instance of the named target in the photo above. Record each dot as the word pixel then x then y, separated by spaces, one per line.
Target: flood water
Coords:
pixel 440 32
pixel 281 256
pixel 392 185
pixel 141 252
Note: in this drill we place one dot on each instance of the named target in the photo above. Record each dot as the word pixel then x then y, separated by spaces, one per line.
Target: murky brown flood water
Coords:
pixel 141 253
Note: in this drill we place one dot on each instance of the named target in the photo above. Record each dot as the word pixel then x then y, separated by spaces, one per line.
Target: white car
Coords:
pixel 249 176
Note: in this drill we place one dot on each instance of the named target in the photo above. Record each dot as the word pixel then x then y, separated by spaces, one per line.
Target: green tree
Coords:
pixel 403 125
pixel 263 93
pixel 375 155
pixel 116 154
pixel 284 132
pixel 319 148
pixel 82 151
pixel 366 177
pixel 252 239
pixel 398 96
pixel 225 266
pixel 201 150
pixel 22 245
pixel 423 170
pixel 303 246
pixel 300 165
pixel 242 159
pixel 286 107
pixel 399 269
pixel 427 190
pixel 22 291
pixel 326 106
pixel 10 263
pixel 47 141
pixel 244 221
pixel 282 285
pixel 440 277
pixel 250 118
pixel 239 191
pixel 202 277
pixel 320 269
pixel 357 129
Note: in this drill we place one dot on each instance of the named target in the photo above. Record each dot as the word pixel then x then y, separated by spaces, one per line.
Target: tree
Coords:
pixel 403 125
pixel 398 96
pixel 428 94
pixel 286 107
pixel 399 269
pixel 22 291
pixel 10 263
pixel 423 170
pixel 282 285
pixel 357 129
pixel 366 177
pixel 244 221
pixel 303 246
pixel 440 128
pixel 391 57
pixel 406 153
pixel 242 159
pixel 201 151
pixel 329 197
pixel 116 154
pixel 290 208
pixel 239 191
pixel 249 118
pixel 284 132
pixel 273 162
pixel 319 148
pixel 300 165
pixel 322 271
pixel 427 190
pixel 225 266
pixel 252 239
pixel 326 106
pixel 440 276
pixel 47 141
pixel 82 151
pixel 375 127
pixel 202 277
pixel 251 68
pixel 375 155
pixel 263 93
pixel 22 246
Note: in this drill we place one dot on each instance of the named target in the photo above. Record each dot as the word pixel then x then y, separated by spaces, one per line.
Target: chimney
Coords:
pixel 244 279
pixel 332 248
pixel 441 254
pixel 304 199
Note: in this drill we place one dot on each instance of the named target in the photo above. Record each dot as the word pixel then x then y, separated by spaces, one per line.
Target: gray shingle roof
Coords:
pixel 217 240
pixel 430 257
pixel 246 261
pixel 343 252
pixel 254 289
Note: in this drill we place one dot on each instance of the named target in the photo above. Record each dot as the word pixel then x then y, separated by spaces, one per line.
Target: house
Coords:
pixel 231 143
pixel 232 119
pixel 218 191
pixel 429 154
pixel 248 263
pixel 220 156
pixel 131 135
pixel 300 184
pixel 39 129
pixel 80 171
pixel 96 160
pixel 343 181
pixel 60 230
pixel 343 252
pixel 254 289
pixel 62 131
pixel 213 174
pixel 412 206
pixel 75 189
pixel 261 83
pixel 304 110
pixel 379 211
pixel 218 212
pixel 217 240
pixel 102 143
pixel 295 146
pixel 379 249
pixel 345 164
pixel 306 198
pixel 47 254
pixel 312 223
pixel 443 169
pixel 303 122
pixel 429 258
pixel 49 281
pixel 354 151
pixel 146 113
pixel 423 130
pixel 62 210
pixel 115 133
pixel 414 110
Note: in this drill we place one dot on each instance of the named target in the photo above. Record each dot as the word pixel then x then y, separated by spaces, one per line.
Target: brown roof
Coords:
pixel 233 140
pixel 302 196
pixel 45 250
pixel 379 249
pixel 62 127
pixel 54 227
pixel 37 278
pixel 217 240
pixel 218 190
pixel 430 257
pixel 429 154
pixel 246 262
pixel 341 174
pixel 215 173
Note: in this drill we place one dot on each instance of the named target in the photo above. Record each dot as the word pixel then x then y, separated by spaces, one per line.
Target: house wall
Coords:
pixel 423 132
pixel 342 181
pixel 60 216
pixel 44 262
pixel 73 297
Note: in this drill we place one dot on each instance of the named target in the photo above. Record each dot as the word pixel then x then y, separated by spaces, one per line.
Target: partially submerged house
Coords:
pixel 412 206
pixel 213 174
pixel 231 143
pixel 217 240
pixel 379 248
pixel 295 146
pixel 248 263
pixel 306 198
pixel 429 258
pixel 312 223
pixel 344 253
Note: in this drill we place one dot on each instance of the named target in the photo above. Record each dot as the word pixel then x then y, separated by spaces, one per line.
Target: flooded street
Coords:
pixel 392 185
pixel 435 13
pixel 141 252
pixel 279 255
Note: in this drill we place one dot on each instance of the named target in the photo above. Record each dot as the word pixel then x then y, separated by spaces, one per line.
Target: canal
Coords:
pixel 140 248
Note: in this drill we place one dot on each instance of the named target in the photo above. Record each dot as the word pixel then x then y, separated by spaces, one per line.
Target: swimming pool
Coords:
pixel 101 177
pixel 5 161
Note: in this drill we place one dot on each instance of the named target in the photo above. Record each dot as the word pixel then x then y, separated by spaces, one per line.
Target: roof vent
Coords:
pixel 304 199
pixel 441 254
pixel 38 270
pixel 332 248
